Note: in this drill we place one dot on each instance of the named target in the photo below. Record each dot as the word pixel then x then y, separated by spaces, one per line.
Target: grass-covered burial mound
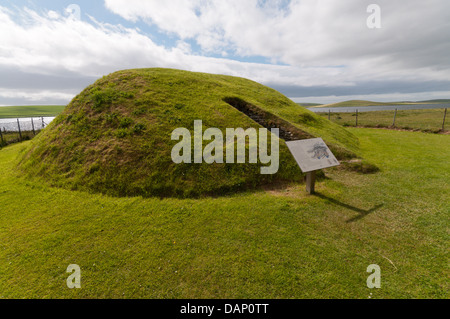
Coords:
pixel 116 137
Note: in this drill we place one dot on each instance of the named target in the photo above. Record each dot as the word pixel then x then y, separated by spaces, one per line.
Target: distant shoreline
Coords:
pixel 376 108
pixel 363 103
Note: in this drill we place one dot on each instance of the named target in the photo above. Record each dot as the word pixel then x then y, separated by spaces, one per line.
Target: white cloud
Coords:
pixel 31 95
pixel 53 44
pixel 309 32
pixel 322 43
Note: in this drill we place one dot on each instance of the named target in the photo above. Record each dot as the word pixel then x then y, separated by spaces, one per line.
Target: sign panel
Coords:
pixel 312 154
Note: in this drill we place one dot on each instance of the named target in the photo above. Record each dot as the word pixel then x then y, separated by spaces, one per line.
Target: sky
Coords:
pixel 318 51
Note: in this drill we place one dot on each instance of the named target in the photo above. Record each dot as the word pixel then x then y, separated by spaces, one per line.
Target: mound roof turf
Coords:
pixel 115 136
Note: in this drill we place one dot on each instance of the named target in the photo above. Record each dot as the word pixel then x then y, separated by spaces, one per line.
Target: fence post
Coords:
pixel 1 137
pixel 20 132
pixel 395 115
pixel 356 118
pixel 329 114
pixel 32 125
pixel 443 122
pixel 42 119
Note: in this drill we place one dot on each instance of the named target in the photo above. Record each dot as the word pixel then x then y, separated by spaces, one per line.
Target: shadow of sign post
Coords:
pixel 312 155
pixel 361 212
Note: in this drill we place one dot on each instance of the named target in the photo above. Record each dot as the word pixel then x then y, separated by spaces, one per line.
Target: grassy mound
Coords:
pixel 115 136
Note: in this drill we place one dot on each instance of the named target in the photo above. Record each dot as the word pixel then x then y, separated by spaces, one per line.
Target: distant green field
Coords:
pixel 30 110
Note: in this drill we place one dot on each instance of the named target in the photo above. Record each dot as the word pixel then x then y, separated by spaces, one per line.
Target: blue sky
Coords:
pixel 311 51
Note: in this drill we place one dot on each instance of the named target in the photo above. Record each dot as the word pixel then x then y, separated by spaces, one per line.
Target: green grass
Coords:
pixel 30 111
pixel 277 243
pixel 115 136
pixel 14 137
pixel 429 120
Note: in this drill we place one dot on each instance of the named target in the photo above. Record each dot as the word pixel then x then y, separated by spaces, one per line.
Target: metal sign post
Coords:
pixel 312 155
pixel 310 182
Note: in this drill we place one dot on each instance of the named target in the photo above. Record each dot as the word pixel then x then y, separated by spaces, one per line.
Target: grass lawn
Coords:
pixel 30 111
pixel 272 243
pixel 14 137
pixel 427 120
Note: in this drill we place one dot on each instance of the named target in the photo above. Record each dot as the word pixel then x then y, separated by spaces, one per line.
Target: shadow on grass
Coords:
pixel 362 212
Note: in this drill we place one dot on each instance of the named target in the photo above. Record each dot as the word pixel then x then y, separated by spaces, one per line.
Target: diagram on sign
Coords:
pixel 319 151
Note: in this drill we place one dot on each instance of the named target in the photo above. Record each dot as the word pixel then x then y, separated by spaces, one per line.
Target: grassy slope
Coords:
pixel 278 243
pixel 95 145
pixel 30 111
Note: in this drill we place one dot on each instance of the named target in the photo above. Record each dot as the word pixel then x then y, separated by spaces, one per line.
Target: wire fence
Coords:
pixel 427 120
pixel 17 130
